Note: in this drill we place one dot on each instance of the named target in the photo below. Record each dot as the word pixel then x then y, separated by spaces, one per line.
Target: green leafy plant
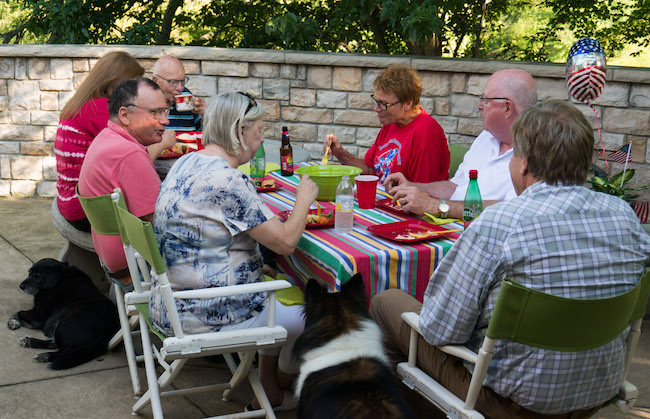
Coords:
pixel 615 185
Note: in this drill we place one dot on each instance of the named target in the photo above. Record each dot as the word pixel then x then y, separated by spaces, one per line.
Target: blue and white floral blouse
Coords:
pixel 203 213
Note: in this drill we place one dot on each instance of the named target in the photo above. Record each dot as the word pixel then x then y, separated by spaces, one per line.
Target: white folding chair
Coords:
pixel 540 320
pixel 140 245
pixel 101 215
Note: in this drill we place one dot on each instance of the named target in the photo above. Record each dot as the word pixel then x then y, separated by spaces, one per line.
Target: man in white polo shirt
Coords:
pixel 506 94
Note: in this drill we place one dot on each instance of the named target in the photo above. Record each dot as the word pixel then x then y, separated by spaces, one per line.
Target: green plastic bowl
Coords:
pixel 328 178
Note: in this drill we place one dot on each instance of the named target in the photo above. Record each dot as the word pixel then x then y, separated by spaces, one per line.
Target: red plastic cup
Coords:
pixel 199 141
pixel 366 190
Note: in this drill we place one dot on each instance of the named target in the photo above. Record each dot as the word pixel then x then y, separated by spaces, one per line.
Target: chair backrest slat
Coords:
pixel 551 322
pixel 456 156
pixel 140 235
pixel 100 213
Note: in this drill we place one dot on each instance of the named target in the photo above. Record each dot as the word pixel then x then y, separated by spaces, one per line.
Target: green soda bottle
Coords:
pixel 258 165
pixel 473 201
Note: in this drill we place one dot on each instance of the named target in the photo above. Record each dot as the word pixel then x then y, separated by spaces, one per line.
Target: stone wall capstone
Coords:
pixel 313 94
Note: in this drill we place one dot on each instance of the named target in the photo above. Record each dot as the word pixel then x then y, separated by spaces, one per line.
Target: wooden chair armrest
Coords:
pixel 460 351
pixel 229 290
pixel 413 320
pixel 131 298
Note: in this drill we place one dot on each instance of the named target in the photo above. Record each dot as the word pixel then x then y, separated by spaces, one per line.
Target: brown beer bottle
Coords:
pixel 286 154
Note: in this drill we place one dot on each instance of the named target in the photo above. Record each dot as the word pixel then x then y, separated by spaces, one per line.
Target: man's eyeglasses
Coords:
pixel 383 106
pixel 483 100
pixel 175 82
pixel 251 101
pixel 157 113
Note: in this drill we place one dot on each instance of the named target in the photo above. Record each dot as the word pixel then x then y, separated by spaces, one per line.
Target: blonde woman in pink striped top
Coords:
pixel 82 118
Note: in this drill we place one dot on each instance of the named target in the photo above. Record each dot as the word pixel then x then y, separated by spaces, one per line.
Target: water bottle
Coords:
pixel 344 217
pixel 258 165
pixel 473 202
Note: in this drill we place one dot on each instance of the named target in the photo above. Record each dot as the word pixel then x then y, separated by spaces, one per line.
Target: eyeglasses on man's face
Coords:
pixel 383 106
pixel 157 113
pixel 251 101
pixel 483 100
pixel 175 82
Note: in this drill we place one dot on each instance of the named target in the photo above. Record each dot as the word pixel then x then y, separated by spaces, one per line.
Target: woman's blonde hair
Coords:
pixel 556 140
pixel 401 81
pixel 223 118
pixel 109 71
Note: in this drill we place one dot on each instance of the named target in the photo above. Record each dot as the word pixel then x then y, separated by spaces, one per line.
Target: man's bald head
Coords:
pixel 506 94
pixel 167 63
pixel 169 74
pixel 517 85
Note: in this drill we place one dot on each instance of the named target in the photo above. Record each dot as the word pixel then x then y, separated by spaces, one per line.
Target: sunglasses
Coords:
pixel 251 101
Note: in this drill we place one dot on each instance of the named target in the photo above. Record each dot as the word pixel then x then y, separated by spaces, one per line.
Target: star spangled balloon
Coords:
pixel 586 70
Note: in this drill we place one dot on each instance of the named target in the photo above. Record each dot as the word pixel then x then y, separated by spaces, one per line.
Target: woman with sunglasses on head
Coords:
pixel 208 223
pixel 410 140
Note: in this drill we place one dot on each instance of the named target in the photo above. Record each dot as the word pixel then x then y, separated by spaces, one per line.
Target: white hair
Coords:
pixel 223 118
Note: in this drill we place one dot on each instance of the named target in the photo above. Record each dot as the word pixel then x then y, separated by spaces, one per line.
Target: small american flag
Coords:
pixel 621 156
pixel 641 209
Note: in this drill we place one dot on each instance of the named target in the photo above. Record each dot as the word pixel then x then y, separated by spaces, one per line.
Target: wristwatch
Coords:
pixel 443 207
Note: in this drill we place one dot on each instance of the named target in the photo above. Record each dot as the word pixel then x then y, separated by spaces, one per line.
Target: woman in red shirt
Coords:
pixel 410 140
pixel 81 119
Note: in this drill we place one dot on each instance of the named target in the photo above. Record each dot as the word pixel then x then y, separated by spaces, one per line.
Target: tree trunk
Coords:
pixel 17 33
pixel 378 31
pixel 168 19
pixel 478 30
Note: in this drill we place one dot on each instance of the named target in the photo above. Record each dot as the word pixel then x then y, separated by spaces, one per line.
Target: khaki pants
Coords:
pixel 386 308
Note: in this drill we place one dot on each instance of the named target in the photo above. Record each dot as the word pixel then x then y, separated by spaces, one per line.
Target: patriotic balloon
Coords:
pixel 586 70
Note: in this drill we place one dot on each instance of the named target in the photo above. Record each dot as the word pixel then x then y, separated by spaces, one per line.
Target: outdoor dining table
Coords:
pixel 333 258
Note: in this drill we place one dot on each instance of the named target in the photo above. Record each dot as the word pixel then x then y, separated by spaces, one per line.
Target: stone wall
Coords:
pixel 314 94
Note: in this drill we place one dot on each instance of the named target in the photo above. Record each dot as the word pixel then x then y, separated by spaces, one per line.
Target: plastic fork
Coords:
pixel 324 161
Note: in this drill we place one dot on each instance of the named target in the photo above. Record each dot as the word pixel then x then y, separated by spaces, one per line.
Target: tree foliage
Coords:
pixel 455 28
pixel 614 23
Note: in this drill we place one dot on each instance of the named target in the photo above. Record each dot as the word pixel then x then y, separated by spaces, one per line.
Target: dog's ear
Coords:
pixel 354 286
pixel 313 290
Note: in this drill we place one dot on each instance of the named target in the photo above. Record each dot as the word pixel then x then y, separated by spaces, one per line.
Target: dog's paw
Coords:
pixel 14 322
pixel 41 358
pixel 25 342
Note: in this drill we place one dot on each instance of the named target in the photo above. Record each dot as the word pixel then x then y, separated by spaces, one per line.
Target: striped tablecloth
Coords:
pixel 333 258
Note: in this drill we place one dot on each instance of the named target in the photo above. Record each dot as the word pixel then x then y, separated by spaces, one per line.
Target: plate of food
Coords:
pixel 411 231
pixel 326 218
pixel 177 150
pixel 189 136
pixel 389 204
pixel 266 185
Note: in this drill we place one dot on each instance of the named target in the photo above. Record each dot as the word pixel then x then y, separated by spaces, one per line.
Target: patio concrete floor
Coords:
pixel 101 388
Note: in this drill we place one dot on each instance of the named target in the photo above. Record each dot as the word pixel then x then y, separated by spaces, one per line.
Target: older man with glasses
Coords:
pixel 118 158
pixel 410 142
pixel 506 94
pixel 169 75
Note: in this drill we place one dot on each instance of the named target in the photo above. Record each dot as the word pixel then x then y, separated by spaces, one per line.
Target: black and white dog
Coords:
pixel 344 371
pixel 74 315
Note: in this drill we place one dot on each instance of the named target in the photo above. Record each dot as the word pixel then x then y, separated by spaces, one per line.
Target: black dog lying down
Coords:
pixel 74 315
pixel 344 372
